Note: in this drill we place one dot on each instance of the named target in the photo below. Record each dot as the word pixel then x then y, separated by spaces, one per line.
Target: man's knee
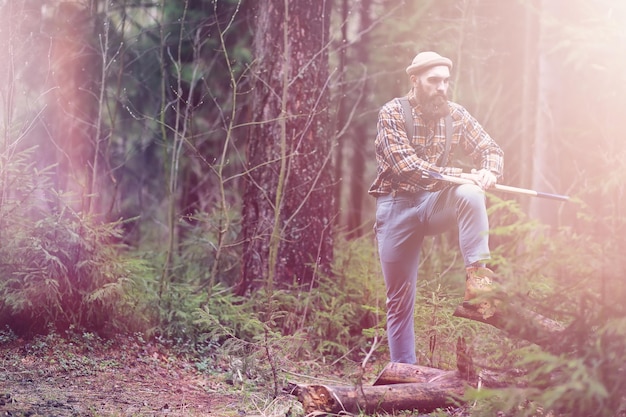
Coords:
pixel 471 193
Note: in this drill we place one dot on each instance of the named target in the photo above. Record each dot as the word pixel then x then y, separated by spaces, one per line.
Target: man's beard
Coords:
pixel 433 107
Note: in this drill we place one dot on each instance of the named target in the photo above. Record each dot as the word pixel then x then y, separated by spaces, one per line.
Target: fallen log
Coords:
pixel 518 322
pixel 399 373
pixel 401 386
pixel 398 387
pixel 413 387
pixel 425 397
pixel 403 373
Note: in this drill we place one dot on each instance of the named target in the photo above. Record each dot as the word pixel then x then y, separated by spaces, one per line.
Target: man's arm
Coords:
pixel 483 150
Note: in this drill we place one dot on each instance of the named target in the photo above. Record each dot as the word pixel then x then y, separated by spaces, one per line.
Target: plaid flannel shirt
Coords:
pixel 401 160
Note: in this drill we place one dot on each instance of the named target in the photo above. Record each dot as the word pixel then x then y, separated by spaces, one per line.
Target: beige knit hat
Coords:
pixel 425 60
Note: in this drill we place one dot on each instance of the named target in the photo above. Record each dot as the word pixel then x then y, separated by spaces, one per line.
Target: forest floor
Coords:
pixel 53 376
pixel 82 375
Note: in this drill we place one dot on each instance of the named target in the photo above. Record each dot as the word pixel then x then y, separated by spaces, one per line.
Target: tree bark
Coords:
pixel 288 201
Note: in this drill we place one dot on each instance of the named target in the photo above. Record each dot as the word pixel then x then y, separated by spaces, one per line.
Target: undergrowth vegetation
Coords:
pixel 59 266
pixel 66 273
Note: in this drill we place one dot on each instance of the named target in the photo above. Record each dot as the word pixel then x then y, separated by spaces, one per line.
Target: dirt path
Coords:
pixel 57 378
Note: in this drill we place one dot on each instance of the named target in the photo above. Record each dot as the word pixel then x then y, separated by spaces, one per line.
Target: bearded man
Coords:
pixel 410 206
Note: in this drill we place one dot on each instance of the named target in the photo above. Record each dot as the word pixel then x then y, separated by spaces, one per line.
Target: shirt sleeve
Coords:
pixel 477 143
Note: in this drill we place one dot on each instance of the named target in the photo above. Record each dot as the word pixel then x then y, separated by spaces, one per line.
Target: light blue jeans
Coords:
pixel 402 222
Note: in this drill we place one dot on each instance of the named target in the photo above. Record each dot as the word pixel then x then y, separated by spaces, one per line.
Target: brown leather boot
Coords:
pixel 478 283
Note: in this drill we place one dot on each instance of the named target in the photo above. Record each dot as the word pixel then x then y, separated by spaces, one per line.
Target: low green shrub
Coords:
pixel 59 267
pixel 68 270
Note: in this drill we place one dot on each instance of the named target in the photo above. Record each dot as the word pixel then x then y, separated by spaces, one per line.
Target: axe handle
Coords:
pixel 498 187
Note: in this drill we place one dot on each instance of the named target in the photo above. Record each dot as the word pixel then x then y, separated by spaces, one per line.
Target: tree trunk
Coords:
pixel 288 204
pixel 545 147
pixel 71 112
pixel 360 138
pixel 528 104
pixel 342 108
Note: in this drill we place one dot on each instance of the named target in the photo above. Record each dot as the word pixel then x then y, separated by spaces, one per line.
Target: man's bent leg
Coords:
pixel 464 205
pixel 473 223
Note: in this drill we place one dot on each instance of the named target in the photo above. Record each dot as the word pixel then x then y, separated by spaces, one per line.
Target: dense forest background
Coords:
pixel 197 170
